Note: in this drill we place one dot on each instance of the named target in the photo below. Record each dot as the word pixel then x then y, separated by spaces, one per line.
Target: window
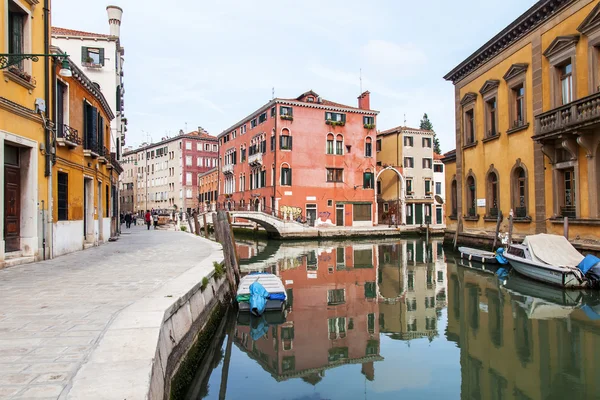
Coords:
pixel 368 148
pixel 286 112
pixel 469 127
pixel 491 117
pixel 408 141
pixel 285 142
pixel 409 188
pixel 92 56
pixel 243 129
pixel 188 193
pixel 369 122
pixel 379 187
pixel 243 155
pixel 262 117
pixel 90 139
pixel 188 160
pixel 386 207
pixel 17 20
pixel 273 112
pixel 339 145
pixel 409 162
pixel 253 123
pixel 215 148
pixel 335 174
pixel 362 213
pixel 368 180
pixel 332 118
pixel 188 178
pixel 427 162
pixel 438 168
pixel 428 187
pixel 378 145
pixel 286 176
pixel 519 191
pixel 199 162
pixel 438 188
pixel 336 296
pixel 566 82
pixel 330 143
pixel 188 145
pixel 63 196
pixel 199 146
pixel 492 194
pixel 427 142
pixel 471 197
pixel 454 197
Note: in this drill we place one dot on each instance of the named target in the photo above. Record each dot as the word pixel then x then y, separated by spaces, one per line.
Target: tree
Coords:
pixel 427 125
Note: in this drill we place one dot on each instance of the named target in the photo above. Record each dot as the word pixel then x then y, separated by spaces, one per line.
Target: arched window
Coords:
pixel 368 179
pixel 330 143
pixel 286 175
pixel 368 147
pixel 285 140
pixel 454 197
pixel 519 190
pixel 339 145
pixel 471 196
pixel 492 193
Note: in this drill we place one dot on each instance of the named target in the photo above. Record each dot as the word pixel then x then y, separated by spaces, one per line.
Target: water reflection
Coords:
pixel 394 318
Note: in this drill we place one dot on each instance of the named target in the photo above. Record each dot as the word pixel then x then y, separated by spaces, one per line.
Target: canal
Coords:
pixel 398 319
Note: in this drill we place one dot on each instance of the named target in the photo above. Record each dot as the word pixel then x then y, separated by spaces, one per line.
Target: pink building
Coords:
pixel 306 157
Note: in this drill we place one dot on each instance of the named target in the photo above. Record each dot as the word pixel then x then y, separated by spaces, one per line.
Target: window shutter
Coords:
pixel 101 132
pixel 290 142
pixel 290 175
pixel 282 178
pixel 94 123
pixel 344 118
pixel 119 98
pixel 84 54
pixel 281 142
pixel 102 55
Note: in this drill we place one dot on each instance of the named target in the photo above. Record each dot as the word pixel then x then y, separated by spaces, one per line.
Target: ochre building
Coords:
pixel 306 157
pixel 528 125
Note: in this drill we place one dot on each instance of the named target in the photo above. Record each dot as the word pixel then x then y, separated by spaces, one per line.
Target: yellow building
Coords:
pixel 85 173
pixel 24 137
pixel 527 125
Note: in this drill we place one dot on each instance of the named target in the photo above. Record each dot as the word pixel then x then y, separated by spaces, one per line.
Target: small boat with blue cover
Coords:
pixel 259 292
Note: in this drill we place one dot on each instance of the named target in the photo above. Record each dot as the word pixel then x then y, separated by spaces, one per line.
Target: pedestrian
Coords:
pixel 155 218
pixel 128 220
pixel 148 219
pixel 133 219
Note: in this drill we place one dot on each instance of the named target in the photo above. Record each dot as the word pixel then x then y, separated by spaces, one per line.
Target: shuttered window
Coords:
pixel 285 142
pixel 63 196
pixel 92 56
pixel 362 212
pixel 286 176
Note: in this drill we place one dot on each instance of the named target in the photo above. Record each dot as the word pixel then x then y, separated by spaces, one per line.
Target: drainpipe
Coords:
pixel 275 163
pixel 48 139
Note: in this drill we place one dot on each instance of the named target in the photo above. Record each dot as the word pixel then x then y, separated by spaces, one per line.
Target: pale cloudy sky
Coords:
pixel 210 63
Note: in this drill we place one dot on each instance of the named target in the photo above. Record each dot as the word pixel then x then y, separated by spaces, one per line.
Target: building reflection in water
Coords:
pixel 341 298
pixel 512 348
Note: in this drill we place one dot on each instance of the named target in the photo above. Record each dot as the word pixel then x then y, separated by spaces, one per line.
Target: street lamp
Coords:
pixel 8 60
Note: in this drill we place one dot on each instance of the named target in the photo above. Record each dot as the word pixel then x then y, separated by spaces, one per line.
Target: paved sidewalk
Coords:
pixel 53 313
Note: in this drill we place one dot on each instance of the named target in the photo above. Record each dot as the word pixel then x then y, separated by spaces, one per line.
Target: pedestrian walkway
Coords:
pixel 53 313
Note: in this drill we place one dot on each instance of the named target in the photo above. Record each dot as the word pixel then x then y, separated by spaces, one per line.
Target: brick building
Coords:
pixel 208 186
pixel 307 157
pixel 165 174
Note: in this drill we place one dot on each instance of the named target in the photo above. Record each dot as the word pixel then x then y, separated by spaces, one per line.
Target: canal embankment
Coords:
pixel 142 349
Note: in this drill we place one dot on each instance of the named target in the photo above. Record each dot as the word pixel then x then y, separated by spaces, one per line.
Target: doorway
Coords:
pixel 418 214
pixel 339 215
pixel 409 215
pixel 311 214
pixel 12 199
pixel 88 209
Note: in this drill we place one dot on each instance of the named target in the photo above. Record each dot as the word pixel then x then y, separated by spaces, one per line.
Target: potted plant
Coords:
pixel 287 117
pixel 369 126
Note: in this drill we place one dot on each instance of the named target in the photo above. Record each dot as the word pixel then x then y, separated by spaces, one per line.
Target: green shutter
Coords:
pixel 102 55
pixel 84 54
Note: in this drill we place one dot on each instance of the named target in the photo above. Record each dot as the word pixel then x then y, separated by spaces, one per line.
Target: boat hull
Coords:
pixel 556 276
pixel 484 257
pixel 272 305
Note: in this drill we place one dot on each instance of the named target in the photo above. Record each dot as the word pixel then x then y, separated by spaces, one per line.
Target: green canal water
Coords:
pixel 397 319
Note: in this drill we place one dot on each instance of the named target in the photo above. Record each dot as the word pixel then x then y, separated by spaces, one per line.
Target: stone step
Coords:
pixel 11 262
pixel 13 254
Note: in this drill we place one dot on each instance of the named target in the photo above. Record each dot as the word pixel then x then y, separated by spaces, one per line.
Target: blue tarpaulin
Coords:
pixel 277 296
pixel 500 256
pixel 587 263
pixel 259 327
pixel 258 298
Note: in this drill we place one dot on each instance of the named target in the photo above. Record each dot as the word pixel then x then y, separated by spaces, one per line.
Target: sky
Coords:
pixel 211 63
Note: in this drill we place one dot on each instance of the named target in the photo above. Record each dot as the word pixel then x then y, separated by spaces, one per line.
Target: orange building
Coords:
pixel 207 188
pixel 306 157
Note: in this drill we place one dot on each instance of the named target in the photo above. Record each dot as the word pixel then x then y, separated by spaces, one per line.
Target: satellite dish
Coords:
pixel 439 199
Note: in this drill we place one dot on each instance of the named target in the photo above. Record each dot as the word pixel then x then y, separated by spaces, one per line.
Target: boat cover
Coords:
pixel 259 327
pixel 588 262
pixel 500 256
pixel 553 250
pixel 258 298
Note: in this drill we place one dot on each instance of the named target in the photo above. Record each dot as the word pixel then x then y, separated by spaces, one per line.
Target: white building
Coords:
pixel 439 183
pixel 101 57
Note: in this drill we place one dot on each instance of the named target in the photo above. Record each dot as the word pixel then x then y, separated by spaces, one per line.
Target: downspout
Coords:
pixel 47 132
pixel 275 169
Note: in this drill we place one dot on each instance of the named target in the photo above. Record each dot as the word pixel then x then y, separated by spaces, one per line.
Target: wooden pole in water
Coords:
pixel 510 226
pixel 226 239
pixel 226 360
pixel 187 215
pixel 456 233
pixel 196 223
pixel 219 234
pixel 497 229
pixel 205 226
pixel 566 227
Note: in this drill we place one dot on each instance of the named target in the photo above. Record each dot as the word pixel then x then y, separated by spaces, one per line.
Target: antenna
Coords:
pixel 360 79
pixel 186 126
pixel 404 119
pixel 272 93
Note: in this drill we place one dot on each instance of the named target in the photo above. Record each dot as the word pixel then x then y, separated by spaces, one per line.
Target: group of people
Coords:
pixel 149 219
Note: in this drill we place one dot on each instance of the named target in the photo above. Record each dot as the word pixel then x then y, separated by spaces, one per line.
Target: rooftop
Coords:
pixel 56 31
pixel 401 128
pixel 191 135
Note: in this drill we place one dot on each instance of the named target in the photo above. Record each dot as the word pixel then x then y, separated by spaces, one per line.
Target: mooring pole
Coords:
pixel 497 229
pixel 510 227
pixel 566 227
pixel 226 360
pixel 205 226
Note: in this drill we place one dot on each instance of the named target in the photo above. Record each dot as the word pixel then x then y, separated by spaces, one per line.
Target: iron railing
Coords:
pixel 68 134
pixel 568 211
pixel 521 212
pixel 281 215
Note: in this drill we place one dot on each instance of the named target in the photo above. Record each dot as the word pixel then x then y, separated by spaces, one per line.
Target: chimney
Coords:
pixel 364 101
pixel 114 19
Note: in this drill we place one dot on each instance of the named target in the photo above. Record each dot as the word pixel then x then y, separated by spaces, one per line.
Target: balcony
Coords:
pixel 578 114
pixel 103 154
pixel 227 169
pixel 255 159
pixel 568 211
pixel 90 148
pixel 67 136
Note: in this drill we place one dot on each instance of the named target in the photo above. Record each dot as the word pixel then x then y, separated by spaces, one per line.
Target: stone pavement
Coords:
pixel 53 313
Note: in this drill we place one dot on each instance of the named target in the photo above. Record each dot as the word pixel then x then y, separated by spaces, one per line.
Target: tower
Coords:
pixel 114 19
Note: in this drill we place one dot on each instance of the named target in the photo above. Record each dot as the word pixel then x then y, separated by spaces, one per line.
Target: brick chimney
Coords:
pixel 364 101
pixel 114 19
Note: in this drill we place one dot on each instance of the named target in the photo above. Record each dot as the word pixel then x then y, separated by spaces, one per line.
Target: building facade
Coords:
pixel 408 195
pixel 25 103
pixel 86 173
pixel 307 157
pixel 527 128
pixel 163 176
pixel 208 186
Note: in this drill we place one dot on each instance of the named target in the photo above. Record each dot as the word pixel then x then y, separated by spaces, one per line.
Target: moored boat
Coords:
pixel 259 292
pixel 482 256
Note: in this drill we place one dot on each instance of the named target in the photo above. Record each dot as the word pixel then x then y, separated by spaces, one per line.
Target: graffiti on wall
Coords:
pixel 295 211
pixel 324 215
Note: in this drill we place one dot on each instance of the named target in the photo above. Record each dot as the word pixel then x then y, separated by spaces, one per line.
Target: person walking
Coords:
pixel 133 219
pixel 148 219
pixel 128 220
pixel 155 218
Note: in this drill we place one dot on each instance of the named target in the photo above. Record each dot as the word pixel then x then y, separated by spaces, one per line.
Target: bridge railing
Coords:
pixel 283 216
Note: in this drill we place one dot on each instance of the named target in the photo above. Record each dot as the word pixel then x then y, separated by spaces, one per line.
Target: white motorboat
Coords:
pixel 482 256
pixel 548 258
pixel 276 295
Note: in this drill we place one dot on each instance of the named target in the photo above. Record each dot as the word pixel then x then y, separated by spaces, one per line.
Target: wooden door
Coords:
pixel 418 214
pixel 339 216
pixel 12 208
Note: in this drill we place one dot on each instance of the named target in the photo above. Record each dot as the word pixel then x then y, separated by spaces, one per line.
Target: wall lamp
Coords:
pixel 8 60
